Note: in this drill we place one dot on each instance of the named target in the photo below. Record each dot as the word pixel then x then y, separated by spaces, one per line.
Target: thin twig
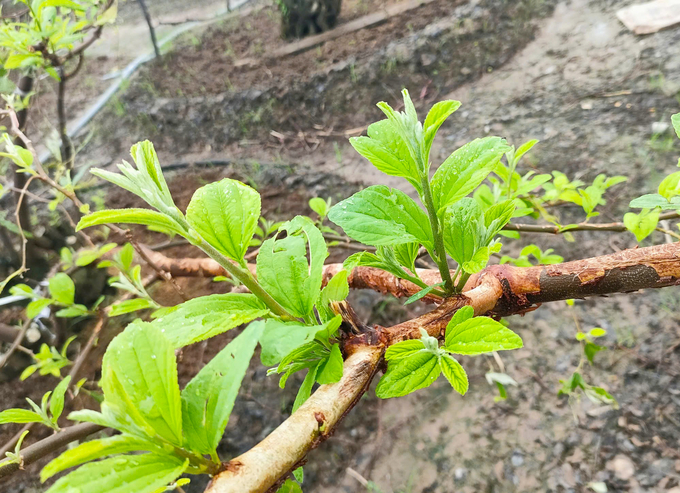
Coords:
pixel 17 341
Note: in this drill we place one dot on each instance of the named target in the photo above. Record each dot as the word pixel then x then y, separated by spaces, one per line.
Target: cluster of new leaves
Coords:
pixel 53 28
pixel 451 224
pixel 416 364
pixel 62 292
pixel 47 413
pixel 667 198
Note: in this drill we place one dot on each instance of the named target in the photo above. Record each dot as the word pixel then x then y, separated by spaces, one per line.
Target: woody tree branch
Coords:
pixel 499 289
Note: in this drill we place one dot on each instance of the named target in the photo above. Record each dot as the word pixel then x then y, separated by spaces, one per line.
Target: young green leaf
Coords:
pixel 289 486
pixel 675 120
pixel 130 216
pixel 139 379
pixel 464 230
pixel 423 292
pixel 209 397
pixel 454 373
pixel 129 306
pixel 306 388
pixel 435 118
pixel 652 200
pixel 35 307
pixel 408 374
pixel 404 349
pixel 480 335
pixel 57 399
pixel 330 370
pixel 463 314
pixel 379 215
pixel 19 416
pixel 465 169
pixel 388 152
pixel 283 270
pixel 320 206
pixel 96 449
pixel 643 224
pixel 225 214
pixel 62 288
pixel 337 289
pixel 406 254
pixel 146 181
pixel 280 338
pixel 128 473
pixel 207 316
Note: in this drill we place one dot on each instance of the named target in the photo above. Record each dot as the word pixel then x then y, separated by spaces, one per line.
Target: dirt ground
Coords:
pixel 565 72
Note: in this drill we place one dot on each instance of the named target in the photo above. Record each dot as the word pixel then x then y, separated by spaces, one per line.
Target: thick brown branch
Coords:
pixel 629 270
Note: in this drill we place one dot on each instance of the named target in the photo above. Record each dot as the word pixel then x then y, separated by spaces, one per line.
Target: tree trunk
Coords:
pixel 301 18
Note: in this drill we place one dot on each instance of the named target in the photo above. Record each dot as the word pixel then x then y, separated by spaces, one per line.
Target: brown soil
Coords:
pixel 209 63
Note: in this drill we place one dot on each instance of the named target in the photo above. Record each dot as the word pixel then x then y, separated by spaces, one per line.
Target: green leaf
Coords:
pixel 454 373
pixel 225 214
pixel 675 120
pixel 208 399
pixel 289 486
pixel 129 306
pixel 435 118
pixel 466 169
pixel 408 374
pixel 130 216
pixel 379 215
pixel 34 308
pixel 19 416
pixel 62 289
pixel 480 335
pixel 591 350
pixel 19 60
pixel 330 371
pixel 207 316
pixel 387 151
pixel 73 311
pixel 463 314
pixel 57 399
pixel 283 270
pixel 320 206
pixel 125 474
pixel 643 224
pixel 404 349
pixel 652 200
pixel 670 186
pixel 139 379
pixel 464 230
pixel 406 254
pixel 280 338
pixel 480 259
pixel 337 289
pixel 96 449
pixel 423 292
pixel 68 4
pixel 524 148
pixel 306 388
